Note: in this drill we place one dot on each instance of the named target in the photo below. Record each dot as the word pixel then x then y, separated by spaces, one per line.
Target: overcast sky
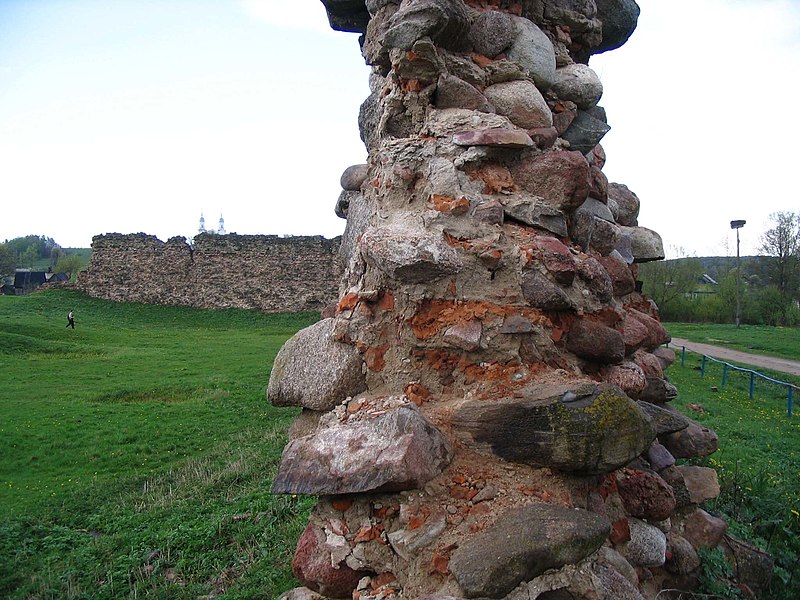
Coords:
pixel 136 115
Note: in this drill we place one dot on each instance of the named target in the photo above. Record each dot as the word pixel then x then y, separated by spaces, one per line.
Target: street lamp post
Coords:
pixel 737 225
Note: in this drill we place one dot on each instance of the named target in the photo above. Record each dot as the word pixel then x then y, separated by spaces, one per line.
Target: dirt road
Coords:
pixel 757 360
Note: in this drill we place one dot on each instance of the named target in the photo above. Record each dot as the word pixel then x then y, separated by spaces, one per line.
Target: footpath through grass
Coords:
pixel 138 450
pixel 757 461
pixel 783 342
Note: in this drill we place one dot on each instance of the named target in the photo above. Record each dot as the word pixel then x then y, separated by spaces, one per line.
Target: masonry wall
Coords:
pixel 262 272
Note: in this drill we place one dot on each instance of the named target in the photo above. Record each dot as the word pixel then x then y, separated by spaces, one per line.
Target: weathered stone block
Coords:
pixel 627 204
pixel 646 244
pixel 533 211
pixel 645 495
pixel 560 178
pixel 398 449
pixel 619 18
pixel 703 530
pixel 409 255
pixel 683 558
pixel 542 293
pixel 701 483
pixel 522 544
pixel 585 132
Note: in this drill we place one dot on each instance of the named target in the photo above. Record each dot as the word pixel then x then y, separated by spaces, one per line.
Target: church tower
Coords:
pixel 221 229
pixel 202 227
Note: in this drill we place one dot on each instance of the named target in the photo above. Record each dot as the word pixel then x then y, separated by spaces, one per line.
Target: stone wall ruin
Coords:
pixel 261 272
pixel 486 415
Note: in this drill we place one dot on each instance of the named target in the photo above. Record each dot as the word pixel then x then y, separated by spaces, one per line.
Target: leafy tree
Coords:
pixel 7 260
pixel 29 256
pixel 781 245
pixel 69 263
pixel 56 253
pixel 670 281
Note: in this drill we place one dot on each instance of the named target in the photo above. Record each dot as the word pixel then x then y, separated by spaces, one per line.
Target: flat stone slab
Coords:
pixel 495 136
pixel 584 429
pixel 524 543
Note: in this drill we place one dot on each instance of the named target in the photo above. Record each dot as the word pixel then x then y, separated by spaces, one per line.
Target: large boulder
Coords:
pixel 751 566
pixel 521 102
pixel 491 33
pixel 646 244
pixel 578 83
pixel 596 342
pixel 690 442
pixel 312 566
pixel 703 530
pixel 619 18
pixel 542 293
pixel 596 277
pixel 533 51
pixel 522 544
pixel 314 371
pixel 665 420
pixel 347 15
pixel 389 449
pixel 626 202
pixel 560 178
pixel 453 92
pixel 647 546
pixel 645 495
pixel 587 429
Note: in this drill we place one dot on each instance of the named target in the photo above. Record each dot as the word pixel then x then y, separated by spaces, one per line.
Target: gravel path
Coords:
pixel 757 360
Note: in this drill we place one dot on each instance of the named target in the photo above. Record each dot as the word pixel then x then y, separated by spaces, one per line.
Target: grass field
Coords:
pixel 758 460
pixel 783 342
pixel 138 451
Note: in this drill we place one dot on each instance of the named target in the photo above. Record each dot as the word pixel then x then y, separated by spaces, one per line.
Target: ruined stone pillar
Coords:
pixel 485 413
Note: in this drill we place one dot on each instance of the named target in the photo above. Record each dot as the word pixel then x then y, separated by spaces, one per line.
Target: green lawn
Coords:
pixel 783 342
pixel 758 460
pixel 138 451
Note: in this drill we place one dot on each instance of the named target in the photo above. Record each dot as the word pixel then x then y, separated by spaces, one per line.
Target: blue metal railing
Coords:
pixel 753 374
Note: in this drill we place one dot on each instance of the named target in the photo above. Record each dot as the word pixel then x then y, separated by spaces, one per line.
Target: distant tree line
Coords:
pixel 770 282
pixel 37 252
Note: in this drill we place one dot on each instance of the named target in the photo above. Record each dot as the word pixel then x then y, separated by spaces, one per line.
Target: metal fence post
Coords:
pixel 790 400
pixel 724 374
pixel 703 367
pixel 752 384
pixel 683 357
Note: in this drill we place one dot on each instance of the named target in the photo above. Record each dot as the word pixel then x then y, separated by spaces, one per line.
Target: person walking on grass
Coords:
pixel 71 320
